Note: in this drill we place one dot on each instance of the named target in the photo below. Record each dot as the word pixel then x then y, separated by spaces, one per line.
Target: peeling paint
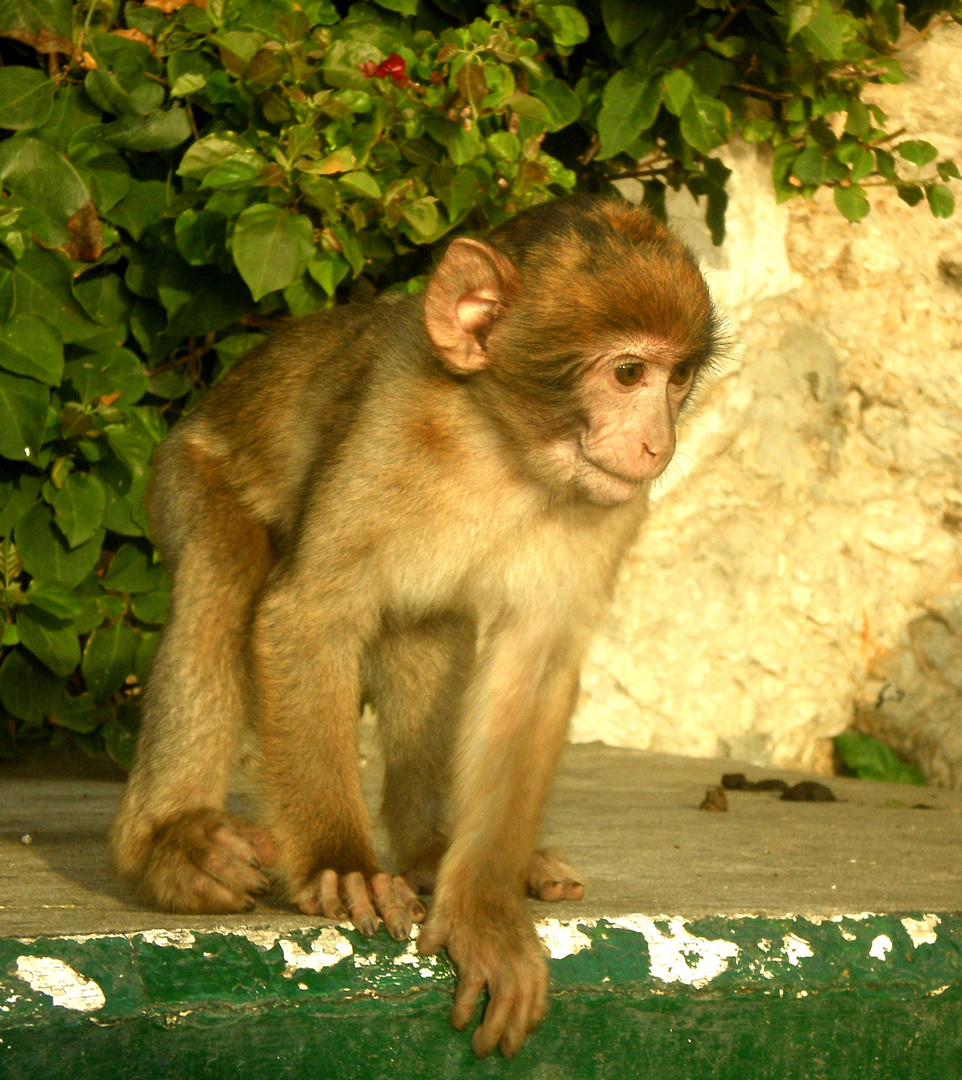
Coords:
pixel 881 946
pixel 175 939
pixel 263 939
pixel 330 947
pixel 64 986
pixel 796 948
pixel 562 939
pixel 671 954
pixel 922 931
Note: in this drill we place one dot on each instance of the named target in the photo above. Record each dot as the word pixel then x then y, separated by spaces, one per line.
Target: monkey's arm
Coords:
pixel 516 718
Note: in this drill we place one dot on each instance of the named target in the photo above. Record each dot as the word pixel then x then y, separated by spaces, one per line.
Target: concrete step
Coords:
pixel 775 940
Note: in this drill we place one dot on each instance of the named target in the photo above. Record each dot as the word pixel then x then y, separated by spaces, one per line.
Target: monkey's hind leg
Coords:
pixel 416 678
pixel 171 834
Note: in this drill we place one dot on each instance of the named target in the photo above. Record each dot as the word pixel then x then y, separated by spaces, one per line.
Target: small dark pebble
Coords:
pixel 737 781
pixel 809 791
pixel 715 799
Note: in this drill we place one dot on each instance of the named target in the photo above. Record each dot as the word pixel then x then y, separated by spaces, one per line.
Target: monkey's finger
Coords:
pixel 260 839
pixel 392 905
pixel 323 898
pixel 540 1006
pixel 228 837
pixel 357 899
pixel 466 999
pixel 235 874
pixel 431 939
pixel 498 1016
pixel 412 901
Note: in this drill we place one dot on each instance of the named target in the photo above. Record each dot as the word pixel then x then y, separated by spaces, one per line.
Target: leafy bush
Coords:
pixel 870 759
pixel 178 177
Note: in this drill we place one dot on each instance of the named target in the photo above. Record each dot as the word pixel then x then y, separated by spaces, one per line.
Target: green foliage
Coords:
pixel 175 181
pixel 871 759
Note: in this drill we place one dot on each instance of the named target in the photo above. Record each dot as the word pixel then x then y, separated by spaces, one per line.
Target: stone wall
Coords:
pixel 801 571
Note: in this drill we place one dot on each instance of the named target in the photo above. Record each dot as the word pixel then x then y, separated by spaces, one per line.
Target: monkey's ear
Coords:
pixel 463 298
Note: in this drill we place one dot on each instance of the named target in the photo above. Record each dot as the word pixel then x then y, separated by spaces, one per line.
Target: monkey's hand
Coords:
pixel 205 861
pixel 501 951
pixel 339 896
pixel 551 878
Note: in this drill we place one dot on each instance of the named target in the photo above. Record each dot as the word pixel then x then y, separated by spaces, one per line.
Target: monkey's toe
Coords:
pixel 366 901
pixel 552 879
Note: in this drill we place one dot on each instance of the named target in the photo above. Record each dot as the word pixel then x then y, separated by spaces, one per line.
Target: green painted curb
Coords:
pixel 793 998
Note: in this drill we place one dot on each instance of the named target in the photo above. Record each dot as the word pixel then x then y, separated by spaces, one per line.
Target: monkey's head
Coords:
pixel 582 326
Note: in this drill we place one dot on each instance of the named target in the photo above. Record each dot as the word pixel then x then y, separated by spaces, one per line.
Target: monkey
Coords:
pixel 419 504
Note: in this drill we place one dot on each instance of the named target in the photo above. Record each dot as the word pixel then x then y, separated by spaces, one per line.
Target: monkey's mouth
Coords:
pixel 605 484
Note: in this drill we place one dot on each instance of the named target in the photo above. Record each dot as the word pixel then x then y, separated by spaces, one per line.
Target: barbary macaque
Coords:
pixel 422 505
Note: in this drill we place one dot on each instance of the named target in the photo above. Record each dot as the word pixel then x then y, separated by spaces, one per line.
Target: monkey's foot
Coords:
pixel 342 896
pixel 500 951
pixel 204 861
pixel 550 878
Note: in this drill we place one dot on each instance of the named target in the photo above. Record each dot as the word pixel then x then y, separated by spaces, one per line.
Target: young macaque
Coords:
pixel 420 504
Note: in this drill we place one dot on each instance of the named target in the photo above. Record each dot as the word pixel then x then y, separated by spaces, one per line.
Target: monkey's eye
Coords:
pixel 682 374
pixel 629 374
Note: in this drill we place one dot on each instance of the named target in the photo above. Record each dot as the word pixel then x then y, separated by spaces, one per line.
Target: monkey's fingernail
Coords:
pixel 254 861
pixel 398 932
pixel 340 913
pixel 418 911
pixel 368 928
pixel 249 906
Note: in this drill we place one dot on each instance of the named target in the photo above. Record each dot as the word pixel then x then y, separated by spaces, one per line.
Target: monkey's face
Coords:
pixel 621 429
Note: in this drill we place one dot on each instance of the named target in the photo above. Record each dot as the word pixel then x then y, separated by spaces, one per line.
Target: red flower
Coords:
pixel 393 67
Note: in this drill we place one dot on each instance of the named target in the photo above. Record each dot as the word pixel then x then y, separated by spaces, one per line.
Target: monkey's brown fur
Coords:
pixel 423 504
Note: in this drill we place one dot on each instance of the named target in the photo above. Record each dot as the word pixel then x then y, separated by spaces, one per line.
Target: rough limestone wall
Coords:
pixel 801 570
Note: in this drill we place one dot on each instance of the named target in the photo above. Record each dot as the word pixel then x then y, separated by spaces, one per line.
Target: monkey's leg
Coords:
pixel 171 834
pixel 416 677
pixel 515 720
pixel 551 878
pixel 308 661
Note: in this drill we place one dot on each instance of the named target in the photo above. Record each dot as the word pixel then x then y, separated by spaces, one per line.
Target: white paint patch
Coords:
pixel 671 954
pixel 330 947
pixel 66 987
pixel 796 948
pixel 881 946
pixel 858 916
pixel 562 939
pixel 922 931
pixel 263 939
pixel 174 939
pixel 366 961
pixel 846 934
pixel 938 991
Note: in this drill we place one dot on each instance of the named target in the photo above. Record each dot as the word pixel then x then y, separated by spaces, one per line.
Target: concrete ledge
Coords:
pixel 777 940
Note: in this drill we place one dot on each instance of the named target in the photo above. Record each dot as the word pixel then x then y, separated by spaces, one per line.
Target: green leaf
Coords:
pixel 134 441
pixel 917 151
pixel 109 658
pixel 132 571
pixel 823 33
pixel 705 123
pixel 113 371
pixel 363 183
pixel 343 60
pixel 54 599
pixel 152 607
pixel 200 236
pixel 799 15
pixel 240 170
pixel 871 759
pixel 328 269
pixel 757 130
pixel 28 690
pixel 156 131
pixel 79 507
pixel 678 88
pixel 26 97
pixel 209 151
pixel 403 7
pixel 46 182
pixel 104 297
pixel 51 641
pixel 563 104
pixel 851 202
pixel 567 25
pixel 629 106
pixel 626 20
pixel 23 417
pixel 910 193
pixel 144 204
pixel 82 714
pixel 30 346
pixel 271 247
pixel 809 166
pixel 45 553
pixel 941 200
